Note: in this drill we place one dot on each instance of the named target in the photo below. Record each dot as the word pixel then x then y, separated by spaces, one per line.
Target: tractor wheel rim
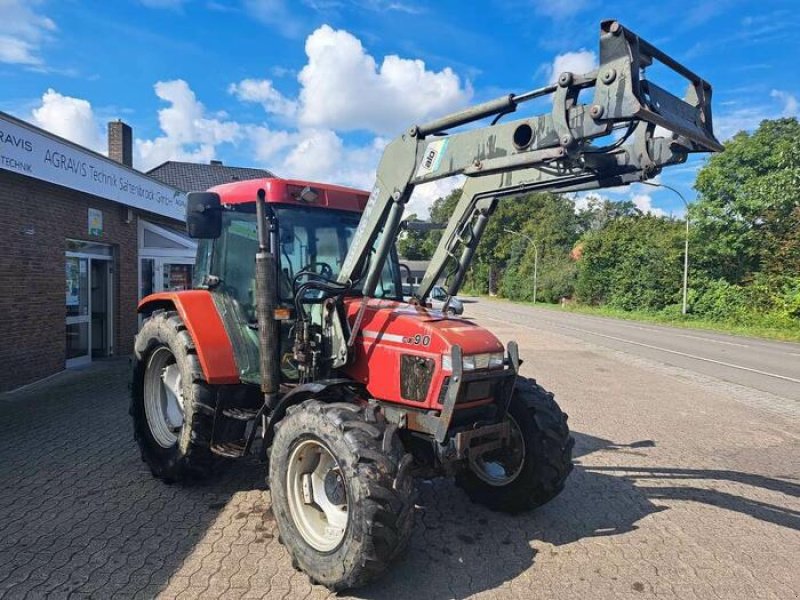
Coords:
pixel 317 496
pixel 501 467
pixel 163 398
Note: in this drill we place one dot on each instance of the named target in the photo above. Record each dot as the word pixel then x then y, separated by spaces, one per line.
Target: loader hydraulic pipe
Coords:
pixel 266 302
pixel 501 105
pixel 473 113
pixel 469 250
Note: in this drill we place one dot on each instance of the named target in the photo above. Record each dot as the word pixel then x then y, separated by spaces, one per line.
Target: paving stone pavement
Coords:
pixel 677 493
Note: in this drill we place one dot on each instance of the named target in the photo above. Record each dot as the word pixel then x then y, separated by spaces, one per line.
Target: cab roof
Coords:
pixel 287 191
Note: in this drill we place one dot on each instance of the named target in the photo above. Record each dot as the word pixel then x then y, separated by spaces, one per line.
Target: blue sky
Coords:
pixel 315 88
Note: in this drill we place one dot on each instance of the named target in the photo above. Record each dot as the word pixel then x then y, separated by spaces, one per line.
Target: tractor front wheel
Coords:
pixel 172 406
pixel 342 494
pixel 532 468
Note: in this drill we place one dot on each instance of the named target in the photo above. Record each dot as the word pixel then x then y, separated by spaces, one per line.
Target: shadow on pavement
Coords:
pixel 459 549
pixel 79 511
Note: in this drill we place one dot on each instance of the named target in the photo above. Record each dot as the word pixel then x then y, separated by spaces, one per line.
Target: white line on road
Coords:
pixel 687 355
pixel 624 325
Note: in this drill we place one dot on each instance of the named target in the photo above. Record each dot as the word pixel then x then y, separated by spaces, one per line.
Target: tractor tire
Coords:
pixel 167 376
pixel 342 492
pixel 531 474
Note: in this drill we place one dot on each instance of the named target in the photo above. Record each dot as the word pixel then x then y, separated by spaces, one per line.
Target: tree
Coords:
pixel 600 211
pixel 633 263
pixel 747 215
pixel 412 245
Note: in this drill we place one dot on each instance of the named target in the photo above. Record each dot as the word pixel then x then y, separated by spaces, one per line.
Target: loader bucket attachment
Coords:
pixel 623 92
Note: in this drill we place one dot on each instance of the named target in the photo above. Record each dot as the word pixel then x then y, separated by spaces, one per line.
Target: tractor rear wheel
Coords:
pixel 532 469
pixel 172 406
pixel 342 494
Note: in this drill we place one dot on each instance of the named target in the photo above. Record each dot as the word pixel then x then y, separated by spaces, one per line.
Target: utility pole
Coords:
pixel 535 259
pixel 685 244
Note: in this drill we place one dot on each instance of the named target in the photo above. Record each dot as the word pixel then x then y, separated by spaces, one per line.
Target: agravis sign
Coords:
pixel 27 151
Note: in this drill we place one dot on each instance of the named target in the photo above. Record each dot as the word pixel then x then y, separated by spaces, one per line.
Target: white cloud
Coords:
pixel 424 195
pixel 748 117
pixel 277 15
pixel 644 202
pixel 321 155
pixel 560 10
pixel 263 92
pixel 343 87
pixel 579 62
pixel 71 118
pixel 23 32
pixel 189 134
pixel 732 122
pixel 791 107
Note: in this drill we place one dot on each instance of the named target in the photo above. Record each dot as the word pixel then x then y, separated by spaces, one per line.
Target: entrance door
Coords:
pixel 78 311
pixel 100 276
pixel 88 302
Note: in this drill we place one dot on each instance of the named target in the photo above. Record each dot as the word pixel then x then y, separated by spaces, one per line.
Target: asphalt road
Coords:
pixel 760 365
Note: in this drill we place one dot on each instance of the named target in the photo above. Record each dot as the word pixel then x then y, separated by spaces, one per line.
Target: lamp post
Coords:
pixel 686 241
pixel 535 258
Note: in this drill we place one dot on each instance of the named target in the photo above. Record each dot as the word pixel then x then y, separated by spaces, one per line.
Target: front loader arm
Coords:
pixel 553 151
pixel 627 164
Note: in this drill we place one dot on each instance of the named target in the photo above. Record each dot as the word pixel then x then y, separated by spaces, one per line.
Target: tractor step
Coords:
pixel 240 414
pixel 229 449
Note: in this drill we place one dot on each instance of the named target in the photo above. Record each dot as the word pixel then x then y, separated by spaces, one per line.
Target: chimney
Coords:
pixel 215 163
pixel 120 142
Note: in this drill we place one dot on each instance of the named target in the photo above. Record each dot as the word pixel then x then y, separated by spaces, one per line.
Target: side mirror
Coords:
pixel 203 215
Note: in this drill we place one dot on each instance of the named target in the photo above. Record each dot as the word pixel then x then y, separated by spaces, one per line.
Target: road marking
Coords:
pixel 628 325
pixel 686 354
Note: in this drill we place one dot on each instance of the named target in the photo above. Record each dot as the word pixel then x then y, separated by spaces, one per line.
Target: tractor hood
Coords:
pixel 401 350
pixel 420 329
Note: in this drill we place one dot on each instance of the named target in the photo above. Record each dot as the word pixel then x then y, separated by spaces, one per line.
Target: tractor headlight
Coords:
pixel 471 362
pixel 447 362
pixel 496 359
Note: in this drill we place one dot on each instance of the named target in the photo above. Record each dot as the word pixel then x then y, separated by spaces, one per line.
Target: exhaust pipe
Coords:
pixel 267 302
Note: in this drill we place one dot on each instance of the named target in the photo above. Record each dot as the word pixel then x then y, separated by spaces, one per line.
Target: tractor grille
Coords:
pixel 416 373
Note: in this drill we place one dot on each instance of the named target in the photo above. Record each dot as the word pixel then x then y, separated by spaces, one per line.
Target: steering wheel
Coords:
pixel 325 270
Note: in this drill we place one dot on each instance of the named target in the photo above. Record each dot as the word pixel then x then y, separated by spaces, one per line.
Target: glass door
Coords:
pixel 89 306
pixel 78 346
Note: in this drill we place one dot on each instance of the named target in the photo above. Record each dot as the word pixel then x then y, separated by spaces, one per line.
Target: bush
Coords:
pixel 766 301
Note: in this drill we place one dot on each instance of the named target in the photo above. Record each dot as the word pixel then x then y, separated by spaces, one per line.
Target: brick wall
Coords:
pixel 36 219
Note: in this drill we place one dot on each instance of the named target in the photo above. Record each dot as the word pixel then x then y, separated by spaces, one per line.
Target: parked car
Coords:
pixel 436 299
pixel 439 295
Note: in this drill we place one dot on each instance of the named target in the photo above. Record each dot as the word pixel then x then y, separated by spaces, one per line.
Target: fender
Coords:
pixel 199 314
pixel 325 390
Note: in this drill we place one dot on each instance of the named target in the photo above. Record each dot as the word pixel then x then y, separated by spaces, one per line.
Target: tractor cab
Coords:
pixel 315 226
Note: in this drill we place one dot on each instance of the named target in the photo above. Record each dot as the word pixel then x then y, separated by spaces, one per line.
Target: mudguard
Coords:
pixel 198 312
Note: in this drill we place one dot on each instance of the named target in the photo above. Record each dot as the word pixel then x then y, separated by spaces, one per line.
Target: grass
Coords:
pixel 685 322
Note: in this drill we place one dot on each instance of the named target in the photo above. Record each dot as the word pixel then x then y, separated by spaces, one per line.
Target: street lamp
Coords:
pixel 686 242
pixel 535 258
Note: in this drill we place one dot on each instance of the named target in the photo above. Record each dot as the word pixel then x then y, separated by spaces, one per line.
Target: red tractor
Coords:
pixel 297 333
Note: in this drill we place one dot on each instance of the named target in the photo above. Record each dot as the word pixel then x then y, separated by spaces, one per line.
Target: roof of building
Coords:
pixel 197 177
